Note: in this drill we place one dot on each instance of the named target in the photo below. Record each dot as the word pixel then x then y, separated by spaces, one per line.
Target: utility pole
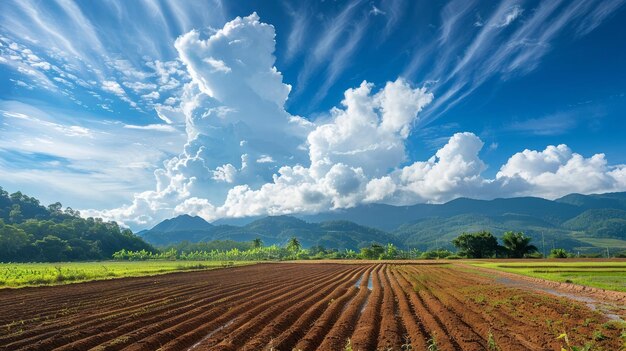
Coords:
pixel 543 243
pixel 607 253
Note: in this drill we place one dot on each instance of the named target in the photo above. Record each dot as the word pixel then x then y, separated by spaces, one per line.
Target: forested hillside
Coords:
pixel 32 232
pixel 582 223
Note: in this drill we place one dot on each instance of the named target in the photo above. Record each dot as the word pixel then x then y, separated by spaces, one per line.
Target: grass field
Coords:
pixel 33 274
pixel 609 275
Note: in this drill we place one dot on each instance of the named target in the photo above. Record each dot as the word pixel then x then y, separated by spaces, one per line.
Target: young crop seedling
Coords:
pixel 569 347
pixel 491 343
pixel 407 343
pixel 432 344
pixel 348 346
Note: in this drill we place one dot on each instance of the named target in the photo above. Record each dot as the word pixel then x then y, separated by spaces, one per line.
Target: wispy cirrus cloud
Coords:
pixel 334 46
pixel 503 46
pixel 300 21
pixel 60 154
pixel 65 48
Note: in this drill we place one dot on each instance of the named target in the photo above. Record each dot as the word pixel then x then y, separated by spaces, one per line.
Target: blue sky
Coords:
pixel 140 110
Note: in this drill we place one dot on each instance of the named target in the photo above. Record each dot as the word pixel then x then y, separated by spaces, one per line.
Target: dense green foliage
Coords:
pixel 291 251
pixel 517 245
pixel 216 245
pixel 30 232
pixel 558 253
pixel 483 244
pixel 476 245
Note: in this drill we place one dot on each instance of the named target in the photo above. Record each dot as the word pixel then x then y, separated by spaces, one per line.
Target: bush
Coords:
pixel 429 255
pixel 558 253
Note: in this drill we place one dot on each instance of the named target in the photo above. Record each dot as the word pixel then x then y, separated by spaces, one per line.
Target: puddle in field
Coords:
pixel 589 302
pixel 370 282
pixel 358 282
pixel 194 346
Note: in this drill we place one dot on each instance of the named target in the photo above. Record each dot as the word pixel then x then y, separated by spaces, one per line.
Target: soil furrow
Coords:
pixel 251 322
pixel 365 335
pixel 289 316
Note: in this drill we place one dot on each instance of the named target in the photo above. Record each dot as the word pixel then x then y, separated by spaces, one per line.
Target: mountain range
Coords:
pixel 574 222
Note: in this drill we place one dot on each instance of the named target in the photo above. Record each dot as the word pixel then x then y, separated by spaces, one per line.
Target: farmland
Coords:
pixel 610 274
pixel 284 306
pixel 33 274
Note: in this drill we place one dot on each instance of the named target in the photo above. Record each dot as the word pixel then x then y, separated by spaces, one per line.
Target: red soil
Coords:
pixel 298 306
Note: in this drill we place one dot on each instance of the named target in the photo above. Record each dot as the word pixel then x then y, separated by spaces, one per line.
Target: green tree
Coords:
pixel 12 240
pixel 517 244
pixel 257 243
pixel 15 215
pixel 476 245
pixel 53 249
pixel 558 253
pixel 390 253
pixel 373 252
pixel 294 244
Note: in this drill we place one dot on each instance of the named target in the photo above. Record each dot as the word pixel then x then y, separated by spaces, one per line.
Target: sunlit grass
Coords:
pixel 33 274
pixel 610 275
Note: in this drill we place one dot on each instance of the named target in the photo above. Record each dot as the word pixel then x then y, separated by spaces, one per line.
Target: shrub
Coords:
pixel 558 253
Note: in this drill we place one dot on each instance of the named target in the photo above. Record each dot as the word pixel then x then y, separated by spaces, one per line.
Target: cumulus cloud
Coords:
pixel 558 170
pixel 246 155
pixel 113 87
pixel 151 96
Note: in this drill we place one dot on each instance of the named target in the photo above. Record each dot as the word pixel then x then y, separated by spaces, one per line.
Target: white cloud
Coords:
pixel 510 16
pixel 502 46
pixel 139 86
pixel 155 127
pixel 218 65
pixel 151 96
pixel 265 159
pixel 113 87
pixel 225 173
pixel 238 134
pixel 376 11
pixel 370 132
pixel 558 170
pixel 85 163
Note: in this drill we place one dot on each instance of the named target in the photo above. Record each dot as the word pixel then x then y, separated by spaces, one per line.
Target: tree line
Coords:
pixel 481 244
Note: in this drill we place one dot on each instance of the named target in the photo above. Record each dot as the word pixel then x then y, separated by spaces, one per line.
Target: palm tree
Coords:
pixel 257 243
pixel 517 244
pixel 293 244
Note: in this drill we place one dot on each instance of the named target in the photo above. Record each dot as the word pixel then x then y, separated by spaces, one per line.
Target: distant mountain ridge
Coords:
pixel 272 230
pixel 182 223
pixel 575 222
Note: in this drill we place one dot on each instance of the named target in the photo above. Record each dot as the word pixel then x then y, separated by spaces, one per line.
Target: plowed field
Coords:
pixel 298 306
